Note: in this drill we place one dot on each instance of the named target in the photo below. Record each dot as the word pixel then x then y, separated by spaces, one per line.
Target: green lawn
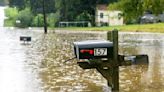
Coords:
pixel 158 27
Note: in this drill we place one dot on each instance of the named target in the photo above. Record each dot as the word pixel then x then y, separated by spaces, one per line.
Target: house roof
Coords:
pixel 102 7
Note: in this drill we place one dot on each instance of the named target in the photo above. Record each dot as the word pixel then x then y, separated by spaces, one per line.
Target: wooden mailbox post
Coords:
pixel 108 68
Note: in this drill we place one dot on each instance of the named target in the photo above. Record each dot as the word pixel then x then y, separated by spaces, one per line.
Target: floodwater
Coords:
pixel 140 78
pixel 40 65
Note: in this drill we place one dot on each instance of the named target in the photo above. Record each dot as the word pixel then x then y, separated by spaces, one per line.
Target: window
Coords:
pixel 101 15
pixel 120 15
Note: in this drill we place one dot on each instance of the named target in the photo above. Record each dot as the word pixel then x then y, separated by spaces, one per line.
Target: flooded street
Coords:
pixel 40 65
pixel 140 78
pixel 16 74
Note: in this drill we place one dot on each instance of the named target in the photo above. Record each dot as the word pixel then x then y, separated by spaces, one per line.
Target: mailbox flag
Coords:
pixel 91 52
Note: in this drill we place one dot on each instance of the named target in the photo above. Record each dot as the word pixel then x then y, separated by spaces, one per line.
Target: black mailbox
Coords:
pixel 93 49
pixel 25 38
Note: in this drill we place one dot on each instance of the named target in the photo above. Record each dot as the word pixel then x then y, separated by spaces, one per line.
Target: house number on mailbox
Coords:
pixel 100 51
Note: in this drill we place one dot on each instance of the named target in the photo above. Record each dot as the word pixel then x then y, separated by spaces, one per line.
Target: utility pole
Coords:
pixel 44 16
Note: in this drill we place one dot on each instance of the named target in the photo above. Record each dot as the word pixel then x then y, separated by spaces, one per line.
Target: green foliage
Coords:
pixel 60 10
pixel 156 6
pixel 38 20
pixel 73 10
pixel 25 17
pixel 8 23
pixel 133 9
pixel 20 4
pixel 37 6
pixel 83 17
pixel 115 6
pixel 11 13
pixel 52 19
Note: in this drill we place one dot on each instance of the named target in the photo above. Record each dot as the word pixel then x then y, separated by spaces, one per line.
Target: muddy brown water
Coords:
pixel 40 65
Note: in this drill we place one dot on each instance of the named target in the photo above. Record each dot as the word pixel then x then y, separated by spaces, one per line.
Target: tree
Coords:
pixel 155 6
pixel 73 10
pixel 133 9
pixel 37 6
pixel 20 4
pixel 68 10
pixel 25 17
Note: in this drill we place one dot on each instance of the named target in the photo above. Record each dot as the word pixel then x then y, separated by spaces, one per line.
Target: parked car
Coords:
pixel 161 17
pixel 149 18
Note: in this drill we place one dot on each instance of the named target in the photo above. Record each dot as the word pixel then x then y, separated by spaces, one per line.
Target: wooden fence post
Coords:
pixel 115 75
pixel 113 36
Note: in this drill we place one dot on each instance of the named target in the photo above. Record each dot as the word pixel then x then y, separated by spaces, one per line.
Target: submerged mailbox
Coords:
pixel 25 38
pixel 93 49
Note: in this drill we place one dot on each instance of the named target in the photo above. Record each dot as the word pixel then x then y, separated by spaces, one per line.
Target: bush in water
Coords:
pixel 24 18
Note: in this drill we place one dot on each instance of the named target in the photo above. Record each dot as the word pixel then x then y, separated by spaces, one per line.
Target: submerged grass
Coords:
pixel 157 27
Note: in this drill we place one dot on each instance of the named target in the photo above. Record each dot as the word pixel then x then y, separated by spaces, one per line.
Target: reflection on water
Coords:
pixel 15 74
pixel 141 78
pixel 41 66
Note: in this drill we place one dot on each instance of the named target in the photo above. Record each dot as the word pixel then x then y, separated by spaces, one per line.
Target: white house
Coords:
pixel 107 17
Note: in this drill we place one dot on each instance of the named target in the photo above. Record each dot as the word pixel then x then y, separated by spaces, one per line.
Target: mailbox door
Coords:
pixel 86 53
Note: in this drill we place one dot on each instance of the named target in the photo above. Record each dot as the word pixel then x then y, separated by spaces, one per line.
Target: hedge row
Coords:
pixel 25 18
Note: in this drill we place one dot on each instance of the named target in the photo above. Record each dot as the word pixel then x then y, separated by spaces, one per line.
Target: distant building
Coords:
pixel 105 17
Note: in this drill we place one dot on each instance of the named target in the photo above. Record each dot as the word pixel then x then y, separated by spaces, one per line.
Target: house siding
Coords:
pixel 110 18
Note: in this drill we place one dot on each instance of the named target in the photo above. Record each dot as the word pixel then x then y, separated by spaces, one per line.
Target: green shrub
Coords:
pixel 51 20
pixel 38 21
pixel 83 17
pixel 11 13
pixel 8 23
pixel 25 17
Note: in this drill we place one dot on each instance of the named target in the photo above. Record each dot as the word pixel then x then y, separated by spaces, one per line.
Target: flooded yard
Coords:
pixel 40 65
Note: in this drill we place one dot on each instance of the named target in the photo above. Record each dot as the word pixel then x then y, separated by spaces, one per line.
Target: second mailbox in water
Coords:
pixel 93 49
